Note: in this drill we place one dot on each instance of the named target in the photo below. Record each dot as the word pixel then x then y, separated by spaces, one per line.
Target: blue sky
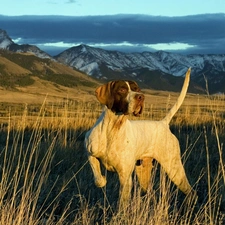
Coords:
pixel 186 27
pixel 111 7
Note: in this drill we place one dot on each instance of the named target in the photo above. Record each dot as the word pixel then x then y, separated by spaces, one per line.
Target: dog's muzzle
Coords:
pixel 139 104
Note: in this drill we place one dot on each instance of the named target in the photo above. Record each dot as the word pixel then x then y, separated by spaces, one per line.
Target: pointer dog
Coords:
pixel 123 145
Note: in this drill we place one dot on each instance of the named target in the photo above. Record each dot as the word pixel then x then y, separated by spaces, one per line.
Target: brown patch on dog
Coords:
pixel 104 94
pixel 119 123
pixel 134 86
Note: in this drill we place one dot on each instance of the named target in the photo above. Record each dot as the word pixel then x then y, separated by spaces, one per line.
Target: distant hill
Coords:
pixel 18 69
pixel 27 78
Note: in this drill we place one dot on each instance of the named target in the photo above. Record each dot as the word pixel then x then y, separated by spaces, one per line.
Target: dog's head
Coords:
pixel 122 97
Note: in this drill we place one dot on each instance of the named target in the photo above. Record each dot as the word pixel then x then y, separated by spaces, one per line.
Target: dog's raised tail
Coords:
pixel 180 99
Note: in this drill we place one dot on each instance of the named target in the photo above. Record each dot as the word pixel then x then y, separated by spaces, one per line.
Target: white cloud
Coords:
pixel 124 43
pixel 59 44
pixel 62 44
pixel 17 40
pixel 159 46
pixel 170 46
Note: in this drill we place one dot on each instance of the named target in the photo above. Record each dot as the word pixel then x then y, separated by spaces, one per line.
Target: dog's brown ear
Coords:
pixel 104 94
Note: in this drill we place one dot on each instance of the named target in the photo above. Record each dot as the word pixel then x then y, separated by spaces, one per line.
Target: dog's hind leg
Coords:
pixel 169 158
pixel 100 180
pixel 143 170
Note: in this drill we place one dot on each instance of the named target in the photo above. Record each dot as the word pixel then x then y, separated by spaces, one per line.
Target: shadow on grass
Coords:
pixel 68 189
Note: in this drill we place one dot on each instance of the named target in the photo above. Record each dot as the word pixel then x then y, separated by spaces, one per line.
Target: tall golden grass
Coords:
pixel 46 179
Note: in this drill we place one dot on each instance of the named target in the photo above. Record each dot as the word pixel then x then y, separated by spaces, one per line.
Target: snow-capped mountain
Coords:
pixel 5 40
pixel 7 43
pixel 105 64
pixel 158 70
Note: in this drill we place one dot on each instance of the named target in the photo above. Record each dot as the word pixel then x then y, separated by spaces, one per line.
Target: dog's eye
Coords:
pixel 122 90
pixel 136 89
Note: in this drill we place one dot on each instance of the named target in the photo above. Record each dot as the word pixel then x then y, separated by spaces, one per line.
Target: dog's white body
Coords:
pixel 119 143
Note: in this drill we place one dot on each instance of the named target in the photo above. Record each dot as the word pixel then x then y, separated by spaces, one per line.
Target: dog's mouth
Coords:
pixel 138 111
pixel 139 104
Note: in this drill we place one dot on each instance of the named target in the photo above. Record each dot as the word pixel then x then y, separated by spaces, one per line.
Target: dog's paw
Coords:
pixel 100 181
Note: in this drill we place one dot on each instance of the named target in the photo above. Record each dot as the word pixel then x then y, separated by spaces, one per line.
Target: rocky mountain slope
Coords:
pixel 7 43
pixel 147 67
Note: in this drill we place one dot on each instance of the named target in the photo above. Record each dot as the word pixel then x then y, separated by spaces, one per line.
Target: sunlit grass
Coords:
pixel 46 179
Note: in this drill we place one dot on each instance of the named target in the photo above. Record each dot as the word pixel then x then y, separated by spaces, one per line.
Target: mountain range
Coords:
pixel 159 70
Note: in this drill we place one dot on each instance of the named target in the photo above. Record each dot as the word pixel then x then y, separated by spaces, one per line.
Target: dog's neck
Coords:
pixel 114 120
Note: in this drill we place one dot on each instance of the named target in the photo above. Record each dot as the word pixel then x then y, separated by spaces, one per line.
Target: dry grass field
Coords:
pixel 46 179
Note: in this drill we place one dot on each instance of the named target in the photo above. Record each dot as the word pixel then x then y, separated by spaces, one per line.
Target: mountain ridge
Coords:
pixel 155 70
pixel 7 43
pixel 104 64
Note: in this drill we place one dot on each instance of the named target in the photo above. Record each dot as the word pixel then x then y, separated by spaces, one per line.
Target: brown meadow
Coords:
pixel 46 179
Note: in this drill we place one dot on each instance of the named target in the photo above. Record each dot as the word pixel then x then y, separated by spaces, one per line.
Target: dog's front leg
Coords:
pixel 100 180
pixel 125 188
